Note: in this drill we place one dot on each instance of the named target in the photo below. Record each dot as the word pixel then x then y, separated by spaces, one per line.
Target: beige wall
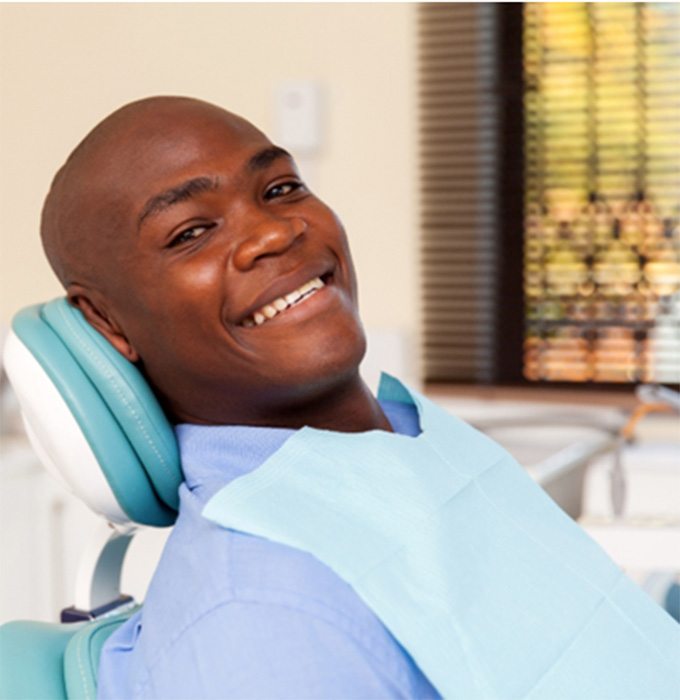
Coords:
pixel 64 67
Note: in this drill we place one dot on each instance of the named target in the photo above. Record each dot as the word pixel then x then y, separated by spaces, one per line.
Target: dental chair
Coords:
pixel 97 427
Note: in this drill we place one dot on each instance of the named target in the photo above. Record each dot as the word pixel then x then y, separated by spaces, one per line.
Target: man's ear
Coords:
pixel 98 317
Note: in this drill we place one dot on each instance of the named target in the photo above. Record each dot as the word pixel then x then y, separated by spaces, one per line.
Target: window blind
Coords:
pixel 589 197
pixel 458 155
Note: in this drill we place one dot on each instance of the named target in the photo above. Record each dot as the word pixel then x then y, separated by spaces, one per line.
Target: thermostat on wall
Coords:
pixel 298 116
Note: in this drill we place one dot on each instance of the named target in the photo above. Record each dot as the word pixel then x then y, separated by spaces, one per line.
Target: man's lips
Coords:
pixel 280 304
pixel 283 293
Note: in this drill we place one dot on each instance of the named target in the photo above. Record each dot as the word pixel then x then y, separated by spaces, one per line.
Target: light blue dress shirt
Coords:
pixel 228 615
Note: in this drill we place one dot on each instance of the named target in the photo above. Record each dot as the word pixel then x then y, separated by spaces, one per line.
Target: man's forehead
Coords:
pixel 173 139
pixel 150 155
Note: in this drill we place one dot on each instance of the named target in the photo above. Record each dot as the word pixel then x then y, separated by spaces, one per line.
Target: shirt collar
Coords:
pixel 214 455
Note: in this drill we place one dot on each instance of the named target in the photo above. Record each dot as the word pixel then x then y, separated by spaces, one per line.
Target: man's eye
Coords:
pixel 283 189
pixel 189 234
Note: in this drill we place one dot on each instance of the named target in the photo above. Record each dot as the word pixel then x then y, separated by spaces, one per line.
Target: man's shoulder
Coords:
pixel 204 567
pixel 255 649
pixel 221 589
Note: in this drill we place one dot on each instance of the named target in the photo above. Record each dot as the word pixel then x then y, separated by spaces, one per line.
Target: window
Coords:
pixel 550 191
pixel 602 152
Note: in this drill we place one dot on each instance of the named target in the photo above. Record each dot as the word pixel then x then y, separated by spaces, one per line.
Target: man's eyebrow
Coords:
pixel 181 193
pixel 266 157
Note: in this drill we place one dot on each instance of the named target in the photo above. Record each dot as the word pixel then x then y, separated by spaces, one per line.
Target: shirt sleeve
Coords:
pixel 245 651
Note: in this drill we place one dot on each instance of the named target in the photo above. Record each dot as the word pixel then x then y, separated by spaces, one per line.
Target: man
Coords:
pixel 328 545
pixel 179 229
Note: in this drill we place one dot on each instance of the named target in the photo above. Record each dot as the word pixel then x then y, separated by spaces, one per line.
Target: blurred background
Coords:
pixel 509 177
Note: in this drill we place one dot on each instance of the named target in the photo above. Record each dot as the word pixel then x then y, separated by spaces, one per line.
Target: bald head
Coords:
pixel 173 225
pixel 84 215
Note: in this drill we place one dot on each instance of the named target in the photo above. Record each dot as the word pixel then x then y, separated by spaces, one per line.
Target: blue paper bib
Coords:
pixel 491 588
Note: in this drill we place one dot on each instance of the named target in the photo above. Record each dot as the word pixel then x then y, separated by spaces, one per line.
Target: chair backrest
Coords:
pixel 91 416
pixel 97 426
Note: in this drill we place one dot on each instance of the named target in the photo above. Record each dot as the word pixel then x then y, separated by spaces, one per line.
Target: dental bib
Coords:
pixel 491 588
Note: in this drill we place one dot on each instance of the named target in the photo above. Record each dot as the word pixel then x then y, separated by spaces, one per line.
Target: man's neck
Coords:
pixel 349 408
pixel 346 406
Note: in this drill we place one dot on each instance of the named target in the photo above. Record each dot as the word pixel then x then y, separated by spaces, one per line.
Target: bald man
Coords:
pixel 191 243
pixel 172 226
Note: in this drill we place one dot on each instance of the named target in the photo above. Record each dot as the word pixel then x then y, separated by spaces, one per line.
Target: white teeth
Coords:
pixel 282 303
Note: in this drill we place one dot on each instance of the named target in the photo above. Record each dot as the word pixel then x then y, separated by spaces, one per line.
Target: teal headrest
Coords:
pixel 112 404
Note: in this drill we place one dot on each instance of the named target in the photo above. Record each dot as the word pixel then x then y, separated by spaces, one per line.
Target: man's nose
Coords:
pixel 271 236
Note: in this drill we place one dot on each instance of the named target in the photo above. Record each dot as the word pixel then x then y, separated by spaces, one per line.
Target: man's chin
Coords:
pixel 320 364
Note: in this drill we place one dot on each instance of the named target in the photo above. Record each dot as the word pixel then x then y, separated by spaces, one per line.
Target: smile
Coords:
pixel 275 307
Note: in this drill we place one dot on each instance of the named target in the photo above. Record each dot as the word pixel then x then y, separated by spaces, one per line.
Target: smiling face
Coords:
pixel 229 280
